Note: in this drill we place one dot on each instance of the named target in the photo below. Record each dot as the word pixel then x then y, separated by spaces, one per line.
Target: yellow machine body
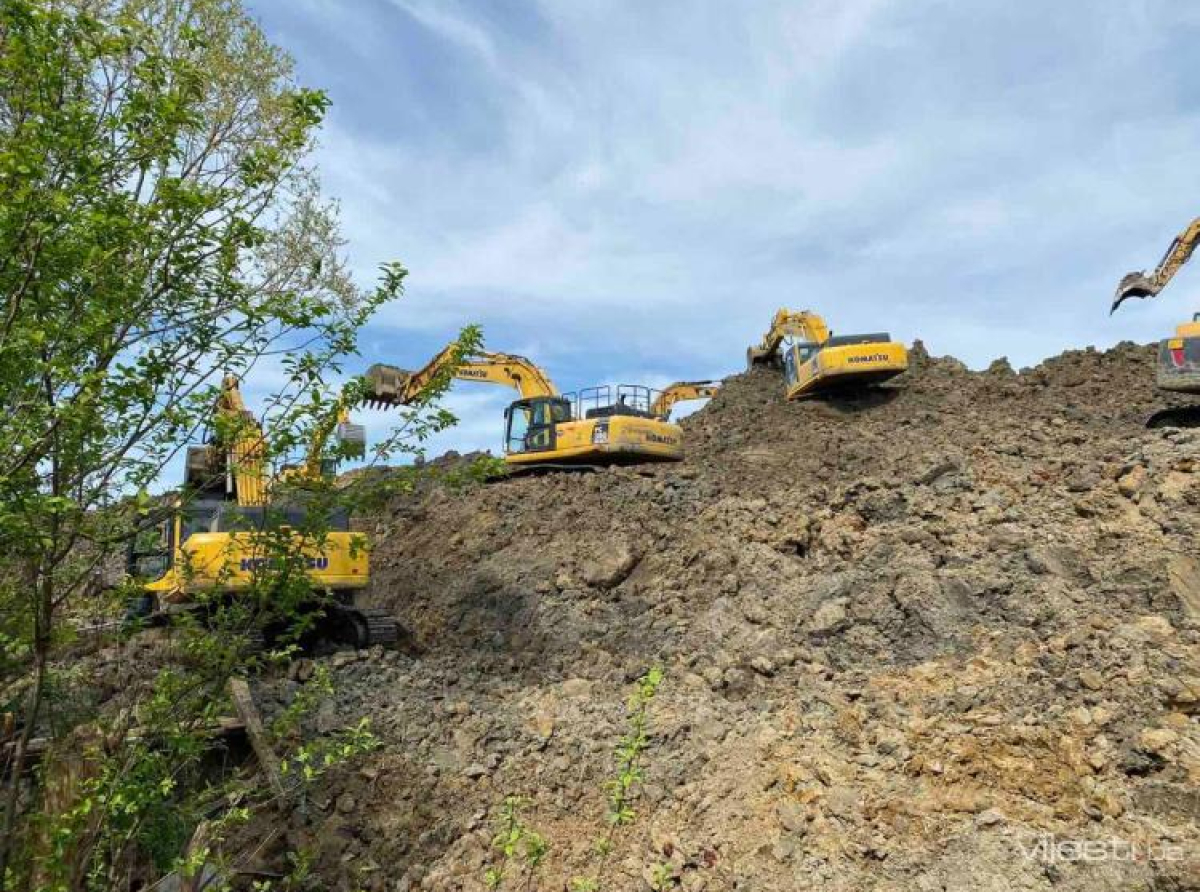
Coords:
pixel 216 543
pixel 544 427
pixel 615 439
pixel 227 562
pixel 807 371
pixel 814 360
pixel 1179 360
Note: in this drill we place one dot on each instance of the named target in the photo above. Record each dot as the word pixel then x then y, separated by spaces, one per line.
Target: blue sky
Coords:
pixel 627 191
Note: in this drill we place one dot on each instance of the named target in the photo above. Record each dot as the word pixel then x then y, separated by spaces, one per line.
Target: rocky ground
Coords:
pixel 937 638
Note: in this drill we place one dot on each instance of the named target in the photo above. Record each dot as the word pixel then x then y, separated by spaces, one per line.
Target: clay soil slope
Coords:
pixel 924 639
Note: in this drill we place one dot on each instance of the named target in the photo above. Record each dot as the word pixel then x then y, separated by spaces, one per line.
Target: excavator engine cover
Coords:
pixel 881 337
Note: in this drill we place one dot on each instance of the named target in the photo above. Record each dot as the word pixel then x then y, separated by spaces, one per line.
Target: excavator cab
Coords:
pixel 795 354
pixel 150 552
pixel 530 424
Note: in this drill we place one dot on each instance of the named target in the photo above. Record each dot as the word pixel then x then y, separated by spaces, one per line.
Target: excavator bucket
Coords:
pixel 386 382
pixel 757 356
pixel 353 439
pixel 1133 285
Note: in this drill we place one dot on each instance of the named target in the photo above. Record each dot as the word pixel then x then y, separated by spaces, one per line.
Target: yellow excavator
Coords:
pixel 544 428
pixel 1178 356
pixel 213 542
pixel 814 360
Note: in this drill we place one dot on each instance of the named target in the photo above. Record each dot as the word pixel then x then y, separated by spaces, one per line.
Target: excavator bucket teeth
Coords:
pixel 1133 285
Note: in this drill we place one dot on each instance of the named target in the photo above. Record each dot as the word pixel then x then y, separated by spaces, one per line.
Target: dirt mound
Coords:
pixel 936 637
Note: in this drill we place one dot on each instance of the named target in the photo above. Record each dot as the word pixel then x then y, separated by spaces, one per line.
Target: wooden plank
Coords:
pixel 225 728
pixel 248 712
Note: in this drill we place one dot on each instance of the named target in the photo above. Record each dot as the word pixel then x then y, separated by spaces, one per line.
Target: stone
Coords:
pixel 737 679
pixel 763 666
pixel 1083 480
pixel 791 817
pixel 1157 629
pixel 937 471
pixel 1131 483
pixel 576 687
pixel 1155 740
pixel 842 802
pixel 989 818
pixel 346 803
pixel 829 615
pixel 1184 574
pixel 611 568
pixel 543 725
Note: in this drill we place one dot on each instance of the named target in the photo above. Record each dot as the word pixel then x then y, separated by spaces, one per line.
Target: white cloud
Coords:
pixel 454 28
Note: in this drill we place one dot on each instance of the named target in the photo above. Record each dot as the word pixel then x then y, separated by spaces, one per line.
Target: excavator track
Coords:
pixel 382 627
pixel 362 627
pixel 1176 416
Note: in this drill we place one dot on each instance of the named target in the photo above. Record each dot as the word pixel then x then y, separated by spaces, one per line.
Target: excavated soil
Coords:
pixel 940 637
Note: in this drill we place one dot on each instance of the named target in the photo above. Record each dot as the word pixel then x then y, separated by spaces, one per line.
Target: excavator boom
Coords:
pixel 681 391
pixel 392 386
pixel 1144 284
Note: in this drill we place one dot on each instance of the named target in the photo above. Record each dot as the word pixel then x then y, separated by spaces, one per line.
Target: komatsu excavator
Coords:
pixel 1178 356
pixel 214 540
pixel 544 428
pixel 681 392
pixel 814 360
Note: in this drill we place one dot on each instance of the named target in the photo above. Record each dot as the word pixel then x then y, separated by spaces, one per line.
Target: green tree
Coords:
pixel 160 226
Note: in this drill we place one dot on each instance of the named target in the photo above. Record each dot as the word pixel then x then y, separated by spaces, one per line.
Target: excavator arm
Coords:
pixel 391 386
pixel 336 422
pixel 1143 284
pixel 681 391
pixel 805 325
pixel 237 450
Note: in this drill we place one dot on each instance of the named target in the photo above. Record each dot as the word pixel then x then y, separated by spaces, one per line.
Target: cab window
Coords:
pixel 519 417
pixel 794 356
pixel 531 424
pixel 149 554
pixel 560 411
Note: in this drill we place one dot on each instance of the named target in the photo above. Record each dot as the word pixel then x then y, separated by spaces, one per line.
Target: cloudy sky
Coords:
pixel 626 191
